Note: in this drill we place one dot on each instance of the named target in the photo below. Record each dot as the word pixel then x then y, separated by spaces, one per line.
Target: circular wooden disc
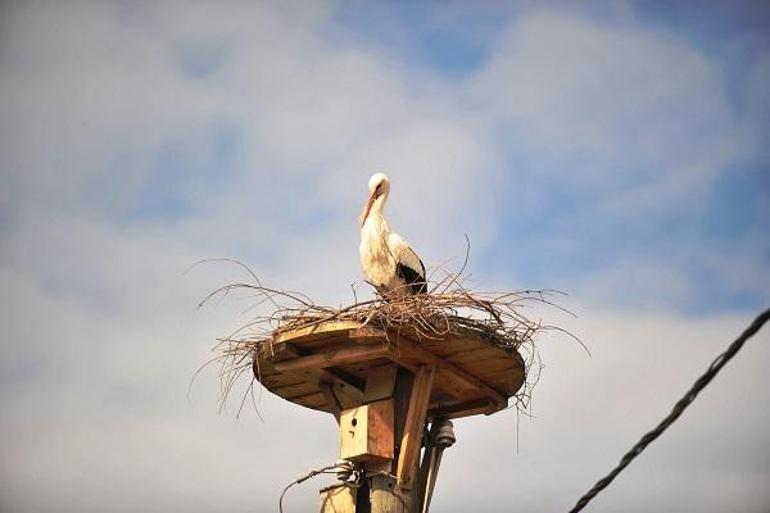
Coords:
pixel 326 366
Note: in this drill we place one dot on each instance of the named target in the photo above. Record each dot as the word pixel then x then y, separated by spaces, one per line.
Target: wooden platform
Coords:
pixel 335 366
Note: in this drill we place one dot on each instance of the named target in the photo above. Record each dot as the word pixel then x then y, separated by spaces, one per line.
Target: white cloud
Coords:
pixel 589 411
pixel 101 332
pixel 575 83
pixel 638 119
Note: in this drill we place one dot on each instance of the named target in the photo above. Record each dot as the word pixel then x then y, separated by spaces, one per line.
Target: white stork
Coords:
pixel 389 263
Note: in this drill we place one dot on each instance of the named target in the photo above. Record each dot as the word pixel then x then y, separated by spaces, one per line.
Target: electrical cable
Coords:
pixel 344 469
pixel 679 407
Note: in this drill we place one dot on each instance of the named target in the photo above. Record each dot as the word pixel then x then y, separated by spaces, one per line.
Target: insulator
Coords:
pixel 445 435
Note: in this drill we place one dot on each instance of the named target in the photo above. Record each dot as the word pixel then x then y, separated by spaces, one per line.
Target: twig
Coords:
pixel 450 309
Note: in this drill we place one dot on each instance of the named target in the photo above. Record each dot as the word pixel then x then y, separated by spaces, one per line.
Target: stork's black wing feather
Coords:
pixel 413 278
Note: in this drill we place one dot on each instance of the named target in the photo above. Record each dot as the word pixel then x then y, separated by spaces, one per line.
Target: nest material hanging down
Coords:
pixel 448 309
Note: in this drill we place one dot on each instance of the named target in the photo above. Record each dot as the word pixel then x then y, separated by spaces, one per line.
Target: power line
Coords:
pixel 344 469
pixel 679 407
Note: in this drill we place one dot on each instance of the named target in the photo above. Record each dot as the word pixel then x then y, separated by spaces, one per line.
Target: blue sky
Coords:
pixel 731 216
pixel 617 151
pixel 551 226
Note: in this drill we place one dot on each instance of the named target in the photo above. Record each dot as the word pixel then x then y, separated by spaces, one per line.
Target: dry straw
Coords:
pixel 450 308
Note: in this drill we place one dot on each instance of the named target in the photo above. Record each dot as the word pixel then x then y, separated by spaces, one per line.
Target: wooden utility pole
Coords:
pixel 384 389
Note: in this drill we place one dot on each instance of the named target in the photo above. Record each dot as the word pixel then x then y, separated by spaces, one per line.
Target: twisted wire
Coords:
pixel 679 407
pixel 344 469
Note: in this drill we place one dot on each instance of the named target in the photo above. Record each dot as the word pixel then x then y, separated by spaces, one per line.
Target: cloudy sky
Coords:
pixel 618 151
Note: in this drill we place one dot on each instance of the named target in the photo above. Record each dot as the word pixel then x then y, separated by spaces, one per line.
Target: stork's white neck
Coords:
pixel 378 207
pixel 375 226
pixel 378 263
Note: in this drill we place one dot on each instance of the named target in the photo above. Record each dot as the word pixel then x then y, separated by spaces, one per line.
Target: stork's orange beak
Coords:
pixel 368 207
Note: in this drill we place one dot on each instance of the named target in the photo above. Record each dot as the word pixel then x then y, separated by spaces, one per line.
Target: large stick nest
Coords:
pixel 448 309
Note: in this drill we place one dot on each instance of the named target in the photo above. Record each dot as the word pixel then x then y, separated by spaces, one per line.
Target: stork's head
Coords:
pixel 379 187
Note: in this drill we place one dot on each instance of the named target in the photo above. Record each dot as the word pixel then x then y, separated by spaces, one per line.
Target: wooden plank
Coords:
pixel 464 409
pixel 487 367
pixel 303 388
pixel 347 395
pixel 333 358
pixel 328 343
pixel 466 344
pixel 368 333
pixel 380 382
pixel 509 380
pixel 331 400
pixel 366 432
pixel 314 396
pixel 402 391
pixel 313 344
pixel 273 381
pixel 339 499
pixel 510 371
pixel 456 372
pixel 444 382
pixel 348 388
pixel 484 355
pixel 387 497
pixel 324 329
pixel 452 346
pixel 468 368
pixel 413 428
pixel 316 401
